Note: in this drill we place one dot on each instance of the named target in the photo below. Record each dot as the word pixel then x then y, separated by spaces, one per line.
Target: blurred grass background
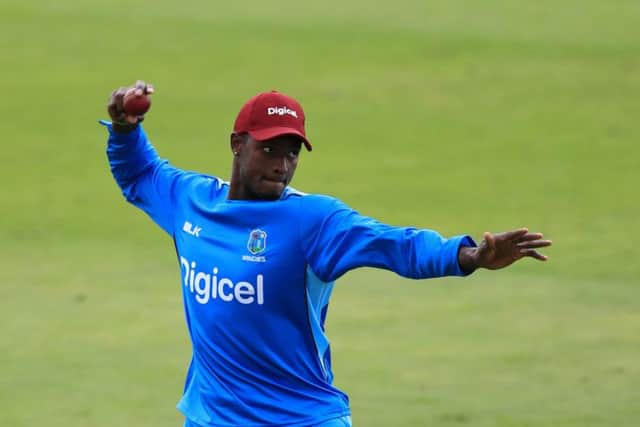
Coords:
pixel 454 115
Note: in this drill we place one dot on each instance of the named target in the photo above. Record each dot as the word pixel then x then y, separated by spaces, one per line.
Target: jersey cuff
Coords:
pixel 121 138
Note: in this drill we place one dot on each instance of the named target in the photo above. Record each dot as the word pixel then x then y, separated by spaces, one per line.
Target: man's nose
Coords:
pixel 282 164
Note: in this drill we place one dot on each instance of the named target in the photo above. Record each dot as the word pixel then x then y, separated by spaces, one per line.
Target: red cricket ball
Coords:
pixel 136 105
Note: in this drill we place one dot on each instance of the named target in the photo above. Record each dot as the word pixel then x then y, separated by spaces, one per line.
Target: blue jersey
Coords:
pixel 256 280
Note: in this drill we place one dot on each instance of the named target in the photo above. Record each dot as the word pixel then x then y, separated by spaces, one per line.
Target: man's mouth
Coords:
pixel 282 181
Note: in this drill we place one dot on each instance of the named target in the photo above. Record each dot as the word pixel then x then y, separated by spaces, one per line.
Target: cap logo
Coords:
pixel 281 111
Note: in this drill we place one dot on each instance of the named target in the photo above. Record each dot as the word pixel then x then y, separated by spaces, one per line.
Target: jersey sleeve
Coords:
pixel 338 239
pixel 147 181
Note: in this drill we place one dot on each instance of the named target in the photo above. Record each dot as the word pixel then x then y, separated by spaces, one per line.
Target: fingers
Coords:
pixel 115 105
pixel 530 236
pixel 530 242
pixel 148 89
pixel 521 236
pixel 533 254
pixel 142 88
pixel 515 234
pixel 534 244
pixel 490 239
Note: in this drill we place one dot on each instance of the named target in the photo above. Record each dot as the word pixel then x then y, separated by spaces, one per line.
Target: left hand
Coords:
pixel 499 250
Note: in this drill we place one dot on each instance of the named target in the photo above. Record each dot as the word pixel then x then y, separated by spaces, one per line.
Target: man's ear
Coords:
pixel 236 141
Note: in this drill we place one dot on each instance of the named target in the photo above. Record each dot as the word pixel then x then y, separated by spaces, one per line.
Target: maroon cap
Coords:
pixel 271 114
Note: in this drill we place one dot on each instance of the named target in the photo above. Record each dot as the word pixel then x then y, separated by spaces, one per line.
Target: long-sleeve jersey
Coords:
pixel 256 281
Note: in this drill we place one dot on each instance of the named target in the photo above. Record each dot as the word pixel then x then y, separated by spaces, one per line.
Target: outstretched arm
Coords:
pixel 500 250
pixel 337 239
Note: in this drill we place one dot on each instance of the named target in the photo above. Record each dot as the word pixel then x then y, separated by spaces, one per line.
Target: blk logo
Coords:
pixel 191 229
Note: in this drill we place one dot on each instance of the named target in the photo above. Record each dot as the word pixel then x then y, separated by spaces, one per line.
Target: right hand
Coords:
pixel 123 122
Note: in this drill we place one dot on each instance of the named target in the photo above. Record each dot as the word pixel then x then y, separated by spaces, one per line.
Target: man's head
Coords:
pixel 266 140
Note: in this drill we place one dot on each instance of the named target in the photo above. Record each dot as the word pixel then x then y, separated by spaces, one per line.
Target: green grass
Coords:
pixel 454 115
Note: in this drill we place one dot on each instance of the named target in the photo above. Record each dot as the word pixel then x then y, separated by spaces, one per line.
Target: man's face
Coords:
pixel 262 169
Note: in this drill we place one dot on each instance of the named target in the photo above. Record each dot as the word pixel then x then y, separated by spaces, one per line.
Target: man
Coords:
pixel 259 259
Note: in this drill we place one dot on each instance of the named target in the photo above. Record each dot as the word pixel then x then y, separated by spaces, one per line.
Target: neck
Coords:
pixel 236 192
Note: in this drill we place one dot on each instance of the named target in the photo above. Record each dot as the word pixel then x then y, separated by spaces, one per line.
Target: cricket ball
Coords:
pixel 136 105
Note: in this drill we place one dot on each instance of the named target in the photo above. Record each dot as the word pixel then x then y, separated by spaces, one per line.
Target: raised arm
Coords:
pixel 147 181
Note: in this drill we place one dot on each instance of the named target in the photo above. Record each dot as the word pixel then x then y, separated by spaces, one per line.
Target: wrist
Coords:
pixel 119 127
pixel 468 259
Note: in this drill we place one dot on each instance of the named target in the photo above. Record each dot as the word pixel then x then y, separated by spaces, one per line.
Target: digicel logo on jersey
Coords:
pixel 208 286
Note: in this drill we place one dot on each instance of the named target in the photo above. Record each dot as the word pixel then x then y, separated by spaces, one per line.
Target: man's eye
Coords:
pixel 293 154
pixel 267 149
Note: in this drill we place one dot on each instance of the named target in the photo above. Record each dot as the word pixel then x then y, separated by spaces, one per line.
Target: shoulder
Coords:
pixel 314 208
pixel 195 184
pixel 309 200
